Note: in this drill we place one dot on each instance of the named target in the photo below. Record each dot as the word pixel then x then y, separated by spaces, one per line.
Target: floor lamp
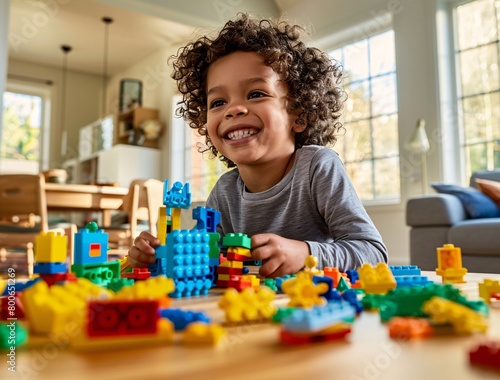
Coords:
pixel 419 143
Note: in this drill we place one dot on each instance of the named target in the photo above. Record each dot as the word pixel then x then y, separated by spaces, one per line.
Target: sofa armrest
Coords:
pixel 434 210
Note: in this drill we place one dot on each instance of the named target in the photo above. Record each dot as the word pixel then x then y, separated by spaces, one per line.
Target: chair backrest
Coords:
pixel 22 195
pixel 142 202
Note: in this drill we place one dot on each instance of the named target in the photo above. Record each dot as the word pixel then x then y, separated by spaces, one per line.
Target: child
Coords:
pixel 267 105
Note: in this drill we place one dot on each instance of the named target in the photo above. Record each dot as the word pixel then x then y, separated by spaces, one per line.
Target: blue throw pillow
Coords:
pixel 476 204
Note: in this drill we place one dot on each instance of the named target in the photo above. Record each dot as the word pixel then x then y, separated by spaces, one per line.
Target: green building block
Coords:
pixel 214 245
pixel 12 334
pixel 237 240
pixel 282 313
pixel 100 274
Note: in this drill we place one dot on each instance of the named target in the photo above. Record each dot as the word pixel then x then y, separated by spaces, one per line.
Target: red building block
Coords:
pixel 486 354
pixel 290 338
pixel 52 279
pixel 137 274
pixel 122 317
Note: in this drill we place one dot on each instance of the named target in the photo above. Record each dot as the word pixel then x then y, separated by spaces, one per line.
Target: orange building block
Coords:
pixel 450 267
pixel 409 328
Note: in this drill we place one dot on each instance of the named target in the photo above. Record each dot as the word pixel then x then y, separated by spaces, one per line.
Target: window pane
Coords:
pixel 387 179
pixel 357 105
pixel 481 115
pixel 385 136
pixel 382 58
pixel 22 116
pixel 384 95
pixel 358 141
pixel 479 70
pixel 476 158
pixel 356 61
pixel 476 24
pixel 361 174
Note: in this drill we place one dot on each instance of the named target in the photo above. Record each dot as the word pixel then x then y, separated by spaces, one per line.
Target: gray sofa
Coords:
pixel 441 219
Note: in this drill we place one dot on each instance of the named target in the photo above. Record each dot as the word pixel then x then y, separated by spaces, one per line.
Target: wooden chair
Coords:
pixel 142 202
pixel 23 216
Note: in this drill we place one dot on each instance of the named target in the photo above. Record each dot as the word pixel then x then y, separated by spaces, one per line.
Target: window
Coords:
pixel 23 133
pixel 369 147
pixel 478 85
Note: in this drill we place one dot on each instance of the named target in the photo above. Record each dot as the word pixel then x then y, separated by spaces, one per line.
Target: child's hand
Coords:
pixel 279 255
pixel 142 253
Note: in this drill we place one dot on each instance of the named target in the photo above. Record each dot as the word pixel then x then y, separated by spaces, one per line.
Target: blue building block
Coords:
pixel 331 294
pixel 404 270
pixel 161 252
pixel 158 268
pixel 178 196
pixel 353 275
pixel 90 245
pixel 280 280
pixel 188 262
pixel 19 286
pixel 351 296
pixel 206 218
pixel 412 281
pixel 319 317
pixel 50 268
pixel 181 318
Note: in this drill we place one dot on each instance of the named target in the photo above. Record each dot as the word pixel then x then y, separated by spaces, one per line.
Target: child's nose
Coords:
pixel 236 110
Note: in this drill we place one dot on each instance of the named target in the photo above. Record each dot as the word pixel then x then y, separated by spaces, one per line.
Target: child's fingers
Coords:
pixel 146 243
pixel 269 268
pixel 260 240
pixel 140 259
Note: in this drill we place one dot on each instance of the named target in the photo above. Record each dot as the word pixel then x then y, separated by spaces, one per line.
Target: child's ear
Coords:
pixel 297 128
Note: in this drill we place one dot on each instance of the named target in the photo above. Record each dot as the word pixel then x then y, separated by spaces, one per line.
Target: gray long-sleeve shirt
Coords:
pixel 315 202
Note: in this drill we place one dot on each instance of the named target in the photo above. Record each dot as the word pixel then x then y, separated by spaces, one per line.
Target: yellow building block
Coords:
pixel 463 319
pixel 162 225
pixel 303 292
pixel 176 219
pixel 51 247
pixel 199 333
pixel 376 280
pixel 152 288
pixel 449 267
pixel 247 305
pixel 487 288
pixel 232 264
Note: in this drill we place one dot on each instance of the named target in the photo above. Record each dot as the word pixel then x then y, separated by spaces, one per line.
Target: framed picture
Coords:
pixel 130 94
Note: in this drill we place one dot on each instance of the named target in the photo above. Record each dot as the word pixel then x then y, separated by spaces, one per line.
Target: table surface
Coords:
pixel 253 351
pixel 75 197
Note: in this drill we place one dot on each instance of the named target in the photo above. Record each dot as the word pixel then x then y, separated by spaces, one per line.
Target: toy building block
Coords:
pixel 405 270
pixel 99 273
pixel 377 280
pixel 238 254
pixel 117 284
pixel 19 286
pixel 12 334
pixel 178 196
pixel 353 275
pixel 352 298
pixel 319 317
pixel 303 292
pixel 200 333
pixel 489 289
pixel 90 245
pixel 122 317
pixel 162 225
pixel 237 240
pixel 463 319
pixel 214 245
pixel 412 280
pixel 164 335
pixel 49 310
pixel 335 274
pixel 124 264
pixel 58 278
pixel 310 267
pixel 206 218
pixel 51 247
pixel 11 308
pixel 187 262
pixel 182 318
pixel 154 288
pixel 137 274
pixel 337 332
pixel 486 354
pixel 331 294
pixel 408 328
pixel 450 264
pixel 282 313
pixel 50 268
pixel 248 305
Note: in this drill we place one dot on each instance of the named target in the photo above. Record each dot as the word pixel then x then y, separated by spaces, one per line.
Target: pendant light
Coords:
pixel 106 21
pixel 64 133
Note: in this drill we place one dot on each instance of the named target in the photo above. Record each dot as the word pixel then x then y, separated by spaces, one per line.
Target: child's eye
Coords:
pixel 256 94
pixel 217 103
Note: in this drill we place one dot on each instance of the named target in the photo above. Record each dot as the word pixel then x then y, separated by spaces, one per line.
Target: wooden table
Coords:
pixel 253 351
pixel 69 197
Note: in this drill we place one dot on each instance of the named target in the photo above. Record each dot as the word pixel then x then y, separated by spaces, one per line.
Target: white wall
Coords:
pixel 82 103
pixel 4 29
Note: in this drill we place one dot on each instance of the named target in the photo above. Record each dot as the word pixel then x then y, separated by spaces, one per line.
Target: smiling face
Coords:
pixel 247 117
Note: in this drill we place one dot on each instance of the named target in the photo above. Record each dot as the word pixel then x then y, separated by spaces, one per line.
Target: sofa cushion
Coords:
pixel 477 237
pixel 476 204
pixel 489 188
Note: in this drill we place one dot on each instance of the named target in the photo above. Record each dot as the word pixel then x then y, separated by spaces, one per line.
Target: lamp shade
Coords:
pixel 419 141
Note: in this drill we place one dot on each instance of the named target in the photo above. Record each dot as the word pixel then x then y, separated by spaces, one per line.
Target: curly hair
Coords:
pixel 313 77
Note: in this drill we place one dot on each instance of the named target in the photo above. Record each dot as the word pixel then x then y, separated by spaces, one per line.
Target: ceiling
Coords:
pixel 38 28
